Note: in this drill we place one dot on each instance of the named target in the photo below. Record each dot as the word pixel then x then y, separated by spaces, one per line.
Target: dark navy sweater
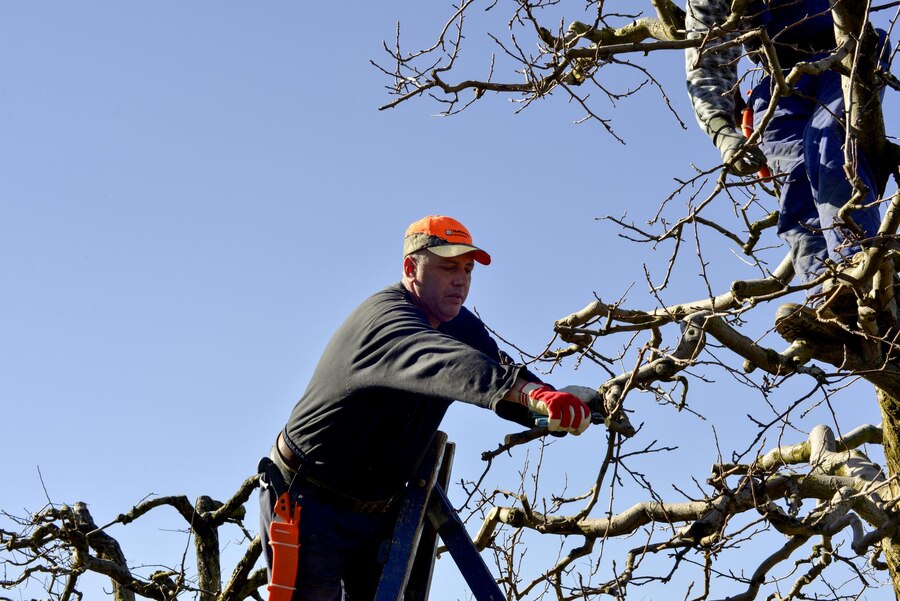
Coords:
pixel 382 386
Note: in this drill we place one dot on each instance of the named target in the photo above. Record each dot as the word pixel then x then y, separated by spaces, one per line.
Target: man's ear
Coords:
pixel 409 267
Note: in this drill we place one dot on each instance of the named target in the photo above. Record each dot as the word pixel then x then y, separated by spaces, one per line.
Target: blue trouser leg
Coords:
pixel 339 550
pixel 824 154
pixel 804 140
pixel 782 141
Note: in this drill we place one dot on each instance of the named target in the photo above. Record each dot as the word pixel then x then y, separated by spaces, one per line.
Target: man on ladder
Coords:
pixel 334 479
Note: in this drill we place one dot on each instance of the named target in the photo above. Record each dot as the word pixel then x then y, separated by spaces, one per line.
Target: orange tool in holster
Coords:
pixel 747 128
pixel 284 537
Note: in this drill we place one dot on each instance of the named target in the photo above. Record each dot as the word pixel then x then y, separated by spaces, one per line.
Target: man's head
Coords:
pixel 438 259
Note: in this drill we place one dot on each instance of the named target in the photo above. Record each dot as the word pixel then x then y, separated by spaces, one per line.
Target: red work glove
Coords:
pixel 565 411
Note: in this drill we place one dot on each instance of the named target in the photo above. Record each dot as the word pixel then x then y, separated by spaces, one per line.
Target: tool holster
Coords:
pixel 284 533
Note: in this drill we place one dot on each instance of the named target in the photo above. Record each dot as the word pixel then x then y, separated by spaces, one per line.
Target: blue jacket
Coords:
pixel 798 29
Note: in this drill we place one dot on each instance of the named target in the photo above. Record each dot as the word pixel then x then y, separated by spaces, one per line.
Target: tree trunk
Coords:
pixel 865 125
pixel 206 541
pixel 106 547
pixel 862 98
pixel 890 414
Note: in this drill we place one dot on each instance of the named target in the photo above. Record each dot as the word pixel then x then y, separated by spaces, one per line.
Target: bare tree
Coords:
pixel 755 493
pixel 56 545
pixel 759 489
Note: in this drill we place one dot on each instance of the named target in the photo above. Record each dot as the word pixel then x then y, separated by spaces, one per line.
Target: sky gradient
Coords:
pixel 194 195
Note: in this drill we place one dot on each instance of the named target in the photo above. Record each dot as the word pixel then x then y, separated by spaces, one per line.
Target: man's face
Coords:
pixel 439 285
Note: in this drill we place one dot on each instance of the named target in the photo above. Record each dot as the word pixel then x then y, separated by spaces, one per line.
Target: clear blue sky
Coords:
pixel 194 195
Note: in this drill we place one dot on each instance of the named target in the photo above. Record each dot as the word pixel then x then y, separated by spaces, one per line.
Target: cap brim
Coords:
pixel 455 250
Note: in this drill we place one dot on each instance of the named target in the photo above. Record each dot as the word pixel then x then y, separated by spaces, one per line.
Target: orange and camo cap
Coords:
pixel 444 236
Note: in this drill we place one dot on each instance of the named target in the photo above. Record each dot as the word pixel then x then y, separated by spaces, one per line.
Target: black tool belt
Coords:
pixel 300 476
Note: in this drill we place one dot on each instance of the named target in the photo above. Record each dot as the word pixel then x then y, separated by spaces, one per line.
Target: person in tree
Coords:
pixel 802 143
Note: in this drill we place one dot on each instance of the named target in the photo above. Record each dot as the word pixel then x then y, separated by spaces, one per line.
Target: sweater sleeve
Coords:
pixel 711 71
pixel 470 329
pixel 399 350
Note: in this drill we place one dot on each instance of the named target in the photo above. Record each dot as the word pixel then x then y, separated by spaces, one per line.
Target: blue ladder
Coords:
pixel 425 514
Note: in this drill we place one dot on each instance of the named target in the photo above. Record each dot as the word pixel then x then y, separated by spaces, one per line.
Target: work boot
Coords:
pixel 799 322
pixel 839 302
